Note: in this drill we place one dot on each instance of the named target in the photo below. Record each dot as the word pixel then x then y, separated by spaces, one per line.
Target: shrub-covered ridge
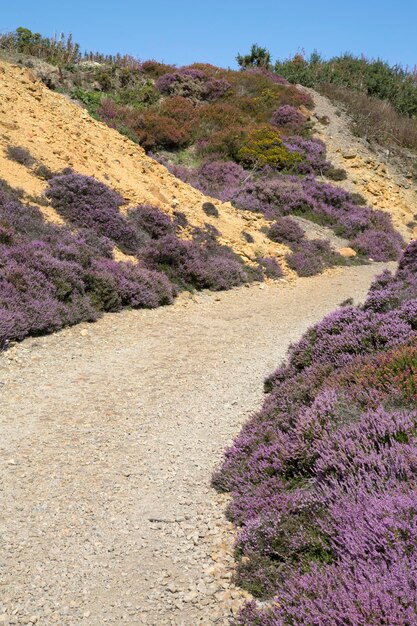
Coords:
pixel 209 119
pixel 53 276
pixel 323 478
pixel 278 196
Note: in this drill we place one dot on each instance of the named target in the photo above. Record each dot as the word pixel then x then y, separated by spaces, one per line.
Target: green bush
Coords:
pixel 374 78
pixel 91 99
pixel 263 146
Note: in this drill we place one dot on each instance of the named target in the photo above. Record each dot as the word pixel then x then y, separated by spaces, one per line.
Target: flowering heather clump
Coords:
pixel 192 83
pixel 275 195
pixel 313 152
pixel 217 178
pixel 323 478
pixel 216 88
pixel 379 246
pixel 187 84
pixel 87 203
pixel 109 111
pixel 279 80
pixel 164 83
pixel 285 230
pixel 51 277
pixel 312 257
pixel 270 267
pixel 288 116
pixel 200 265
pixel 20 155
pixel 114 285
pixel 150 220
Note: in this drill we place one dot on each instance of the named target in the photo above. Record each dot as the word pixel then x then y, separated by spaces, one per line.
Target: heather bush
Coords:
pixel 280 80
pixel 41 291
pixel 180 220
pixel 278 195
pixel 388 378
pixel 313 152
pixel 323 478
pixel 288 116
pixel 149 222
pixel 112 286
pixel 187 84
pixel 44 172
pixel 87 203
pixel 192 264
pixel 158 131
pixel 347 333
pixel 285 230
pixel 216 88
pixel 270 267
pixel 51 277
pixel 210 209
pixel 380 246
pixel 20 155
pixel 312 257
pixel 336 173
pixel 221 116
pixel 216 178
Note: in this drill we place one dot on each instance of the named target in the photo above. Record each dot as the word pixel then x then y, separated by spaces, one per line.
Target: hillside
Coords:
pixel 374 173
pixel 60 134
pixel 91 223
pixel 126 186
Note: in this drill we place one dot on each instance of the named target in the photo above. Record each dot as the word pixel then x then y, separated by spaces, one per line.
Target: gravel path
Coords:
pixel 109 435
pixel 384 179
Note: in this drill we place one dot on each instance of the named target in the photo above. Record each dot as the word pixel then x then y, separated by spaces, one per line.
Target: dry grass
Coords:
pixel 375 119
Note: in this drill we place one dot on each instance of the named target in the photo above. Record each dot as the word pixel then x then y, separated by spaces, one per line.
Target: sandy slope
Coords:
pixel 60 134
pixel 109 435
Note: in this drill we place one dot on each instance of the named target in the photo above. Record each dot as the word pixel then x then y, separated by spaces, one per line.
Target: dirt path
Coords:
pixel 109 435
pixel 373 174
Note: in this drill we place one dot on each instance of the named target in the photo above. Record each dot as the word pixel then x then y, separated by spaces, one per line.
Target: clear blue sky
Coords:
pixel 183 31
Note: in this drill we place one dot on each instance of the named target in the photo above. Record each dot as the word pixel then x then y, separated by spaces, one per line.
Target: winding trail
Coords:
pixel 109 435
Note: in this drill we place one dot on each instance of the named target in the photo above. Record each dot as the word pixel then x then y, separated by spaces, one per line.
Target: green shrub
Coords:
pixel 263 146
pixel 91 99
pixel 374 78
pixel 336 173
pixel 257 57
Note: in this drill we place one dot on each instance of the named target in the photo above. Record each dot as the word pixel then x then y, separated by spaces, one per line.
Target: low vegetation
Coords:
pixel 278 196
pixel 323 477
pixel 241 136
pixel 53 276
pixel 381 100
pixel 375 119
pixel 375 78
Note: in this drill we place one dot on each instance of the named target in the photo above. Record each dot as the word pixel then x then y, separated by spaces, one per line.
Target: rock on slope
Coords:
pixel 60 134
pixel 368 173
